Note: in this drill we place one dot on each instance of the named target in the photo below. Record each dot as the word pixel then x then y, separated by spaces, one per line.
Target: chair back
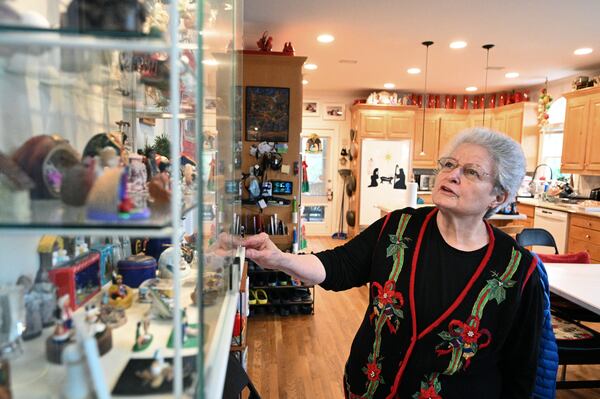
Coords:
pixel 536 236
pixel 576 257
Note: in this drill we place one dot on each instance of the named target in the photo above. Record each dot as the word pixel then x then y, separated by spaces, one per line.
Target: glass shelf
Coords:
pixel 16 36
pixel 53 216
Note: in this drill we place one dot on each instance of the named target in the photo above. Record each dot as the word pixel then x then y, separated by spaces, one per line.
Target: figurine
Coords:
pixel 102 333
pixel 62 332
pixel 288 49
pixel 120 295
pixel 265 43
pixel 157 373
pixel 64 321
pixel 187 331
pixel 142 341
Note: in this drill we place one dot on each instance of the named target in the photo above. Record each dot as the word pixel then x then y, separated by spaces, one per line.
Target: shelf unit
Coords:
pixel 38 58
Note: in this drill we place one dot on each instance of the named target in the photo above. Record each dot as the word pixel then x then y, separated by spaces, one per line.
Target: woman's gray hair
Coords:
pixel 507 157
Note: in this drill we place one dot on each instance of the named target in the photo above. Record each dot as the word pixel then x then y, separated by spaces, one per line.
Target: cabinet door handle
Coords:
pixel 587 236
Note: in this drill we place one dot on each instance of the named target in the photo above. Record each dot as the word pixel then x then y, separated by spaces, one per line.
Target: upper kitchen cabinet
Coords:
pixel 393 122
pixel 519 121
pixel 451 124
pixel 582 132
pixel 426 142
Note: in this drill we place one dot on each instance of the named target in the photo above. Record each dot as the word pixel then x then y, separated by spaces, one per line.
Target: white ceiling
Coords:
pixel 533 37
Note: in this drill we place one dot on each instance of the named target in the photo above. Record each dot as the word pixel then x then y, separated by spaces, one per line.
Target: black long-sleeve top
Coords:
pixel 440 323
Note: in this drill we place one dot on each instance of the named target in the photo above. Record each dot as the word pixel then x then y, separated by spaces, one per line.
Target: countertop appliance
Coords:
pixel 555 222
pixel 426 182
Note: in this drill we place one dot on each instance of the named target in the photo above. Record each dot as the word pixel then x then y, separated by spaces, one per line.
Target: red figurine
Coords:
pixel 288 49
pixel 265 43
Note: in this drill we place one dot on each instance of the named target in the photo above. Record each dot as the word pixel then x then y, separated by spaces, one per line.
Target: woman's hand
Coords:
pixel 261 250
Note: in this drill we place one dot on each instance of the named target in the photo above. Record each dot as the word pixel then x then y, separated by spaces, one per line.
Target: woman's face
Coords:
pixel 466 190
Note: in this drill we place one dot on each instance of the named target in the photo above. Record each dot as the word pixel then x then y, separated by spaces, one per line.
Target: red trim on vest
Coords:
pixel 387 217
pixel 448 311
pixel 413 311
pixel 532 267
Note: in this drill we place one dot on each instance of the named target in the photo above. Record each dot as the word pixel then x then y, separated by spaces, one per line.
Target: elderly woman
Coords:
pixel 455 305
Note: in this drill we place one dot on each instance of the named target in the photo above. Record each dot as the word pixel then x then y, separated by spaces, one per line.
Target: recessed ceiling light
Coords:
pixel 511 75
pixel 471 88
pixel 310 67
pixel 210 62
pixel 583 51
pixel 304 81
pixel 458 44
pixel 325 38
pixel 389 85
pixel 414 71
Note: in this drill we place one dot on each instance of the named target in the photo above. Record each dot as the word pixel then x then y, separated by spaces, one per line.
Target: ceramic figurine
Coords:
pixel 33 315
pixel 288 49
pixel 157 373
pixel 120 295
pixel 142 340
pixel 64 321
pixel 265 43
pixel 186 330
pixel 63 331
pixel 102 333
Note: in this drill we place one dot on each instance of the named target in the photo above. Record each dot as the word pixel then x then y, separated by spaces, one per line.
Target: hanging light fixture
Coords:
pixel 426 44
pixel 487 48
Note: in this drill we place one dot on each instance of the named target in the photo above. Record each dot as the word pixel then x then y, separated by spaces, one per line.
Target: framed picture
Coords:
pixel 210 105
pixel 267 113
pixel 310 108
pixel 334 112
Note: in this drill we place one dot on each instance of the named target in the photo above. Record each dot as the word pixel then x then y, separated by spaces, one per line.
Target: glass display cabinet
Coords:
pixel 119 162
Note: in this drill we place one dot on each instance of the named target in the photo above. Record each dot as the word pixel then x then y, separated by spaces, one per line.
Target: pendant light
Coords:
pixel 426 44
pixel 487 48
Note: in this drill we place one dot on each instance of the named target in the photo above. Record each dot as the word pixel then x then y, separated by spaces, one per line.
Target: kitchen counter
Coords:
pixel 571 208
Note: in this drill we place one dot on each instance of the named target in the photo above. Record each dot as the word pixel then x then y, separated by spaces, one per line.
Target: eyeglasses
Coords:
pixel 471 171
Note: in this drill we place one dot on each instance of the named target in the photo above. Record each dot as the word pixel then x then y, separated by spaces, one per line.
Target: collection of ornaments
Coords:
pixel 448 101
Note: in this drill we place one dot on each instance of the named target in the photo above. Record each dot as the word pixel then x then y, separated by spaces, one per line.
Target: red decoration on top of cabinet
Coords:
pixel 492 100
pixel 465 103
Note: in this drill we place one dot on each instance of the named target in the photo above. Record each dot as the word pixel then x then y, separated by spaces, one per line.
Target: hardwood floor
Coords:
pixel 303 356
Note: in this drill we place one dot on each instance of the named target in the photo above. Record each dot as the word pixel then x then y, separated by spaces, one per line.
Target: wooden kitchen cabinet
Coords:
pixel 584 235
pixel 529 211
pixel 450 126
pixel 426 143
pixel 582 132
pixel 386 124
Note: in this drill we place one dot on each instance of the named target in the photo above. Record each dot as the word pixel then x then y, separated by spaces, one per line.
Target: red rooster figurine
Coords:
pixel 265 43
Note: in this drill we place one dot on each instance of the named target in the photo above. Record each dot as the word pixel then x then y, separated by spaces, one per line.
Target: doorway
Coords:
pixel 319 149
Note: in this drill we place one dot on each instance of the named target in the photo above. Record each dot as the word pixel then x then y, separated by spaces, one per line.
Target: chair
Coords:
pixel 577 345
pixel 236 381
pixel 535 236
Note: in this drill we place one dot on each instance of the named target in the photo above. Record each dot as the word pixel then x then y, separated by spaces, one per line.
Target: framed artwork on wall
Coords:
pixel 334 112
pixel 311 108
pixel 267 113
